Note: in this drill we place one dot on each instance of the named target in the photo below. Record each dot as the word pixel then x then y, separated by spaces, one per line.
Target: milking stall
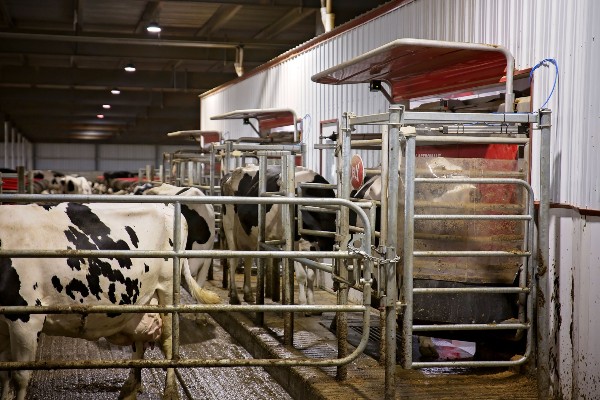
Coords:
pixel 299 199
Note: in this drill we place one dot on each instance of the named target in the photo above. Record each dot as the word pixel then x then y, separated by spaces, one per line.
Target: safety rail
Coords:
pixel 525 274
pixel 388 141
pixel 176 254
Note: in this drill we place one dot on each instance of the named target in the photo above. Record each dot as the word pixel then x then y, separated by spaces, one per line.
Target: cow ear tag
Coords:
pixel 357 171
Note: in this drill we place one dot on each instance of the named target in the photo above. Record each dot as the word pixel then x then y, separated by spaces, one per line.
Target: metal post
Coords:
pixel 409 236
pixel 344 232
pixel 288 179
pixel 547 330
pixel 176 276
pixel 20 179
pixel 13 138
pixel 6 133
pixel 260 273
pixel 392 224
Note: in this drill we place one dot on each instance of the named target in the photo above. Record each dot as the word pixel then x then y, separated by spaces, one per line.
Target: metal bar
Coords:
pixel 472 290
pixel 260 273
pixel 445 139
pixel 176 281
pixel 287 221
pixel 141 42
pixel 342 230
pixel 468 327
pixel 181 308
pixel 547 329
pixel 420 117
pixel 317 185
pixel 270 149
pixel 465 364
pixel 468 253
pixel 393 151
pixel 408 251
pixel 171 253
pixel 317 233
pixel 473 217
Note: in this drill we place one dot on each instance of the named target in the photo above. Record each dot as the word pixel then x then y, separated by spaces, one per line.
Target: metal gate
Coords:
pixel 416 68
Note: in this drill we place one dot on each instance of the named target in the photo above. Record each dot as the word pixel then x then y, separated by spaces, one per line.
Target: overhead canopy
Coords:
pixel 198 135
pixel 416 68
pixel 267 118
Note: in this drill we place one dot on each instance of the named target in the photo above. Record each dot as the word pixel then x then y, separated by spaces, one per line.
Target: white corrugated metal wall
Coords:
pixel 533 30
pixel 78 157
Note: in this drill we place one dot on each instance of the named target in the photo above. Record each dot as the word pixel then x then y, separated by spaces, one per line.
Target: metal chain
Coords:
pixel 376 260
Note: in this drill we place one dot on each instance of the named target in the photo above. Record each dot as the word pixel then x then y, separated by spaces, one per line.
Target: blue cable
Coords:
pixel 543 62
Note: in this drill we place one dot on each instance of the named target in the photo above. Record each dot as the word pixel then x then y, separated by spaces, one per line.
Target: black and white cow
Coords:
pixel 240 224
pixel 201 223
pixel 87 281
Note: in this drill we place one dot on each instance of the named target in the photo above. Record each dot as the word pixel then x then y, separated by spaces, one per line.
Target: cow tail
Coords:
pixel 204 296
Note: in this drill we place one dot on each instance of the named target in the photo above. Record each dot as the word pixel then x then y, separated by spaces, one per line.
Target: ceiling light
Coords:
pixel 115 91
pixel 130 67
pixel 100 116
pixel 153 27
pixel 106 106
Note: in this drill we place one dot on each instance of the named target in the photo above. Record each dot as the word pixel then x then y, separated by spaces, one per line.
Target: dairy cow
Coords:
pixel 240 224
pixel 201 223
pixel 79 281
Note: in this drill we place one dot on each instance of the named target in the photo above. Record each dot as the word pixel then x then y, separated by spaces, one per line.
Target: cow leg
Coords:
pixel 171 388
pixel 133 384
pixel 248 295
pixel 4 357
pixel 427 348
pixel 233 296
pixel 24 341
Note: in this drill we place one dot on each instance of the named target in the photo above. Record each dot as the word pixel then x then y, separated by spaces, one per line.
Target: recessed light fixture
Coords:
pixel 115 91
pixel 130 67
pixel 100 116
pixel 153 27
pixel 106 106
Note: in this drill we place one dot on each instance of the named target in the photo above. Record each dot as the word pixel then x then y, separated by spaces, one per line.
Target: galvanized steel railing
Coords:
pixel 176 254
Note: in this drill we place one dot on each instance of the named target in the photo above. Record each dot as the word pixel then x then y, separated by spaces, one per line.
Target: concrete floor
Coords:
pixel 365 376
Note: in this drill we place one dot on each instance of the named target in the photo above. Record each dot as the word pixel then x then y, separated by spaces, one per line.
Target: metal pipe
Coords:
pixel 547 374
pixel 260 274
pixel 522 289
pixel 408 251
pixel 181 308
pixel 468 327
pixel 393 151
pixel 140 42
pixel 177 237
pixel 287 221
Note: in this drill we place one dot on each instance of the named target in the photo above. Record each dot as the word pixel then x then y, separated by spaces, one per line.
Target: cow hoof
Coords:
pixel 235 300
pixel 313 313
pixel 170 395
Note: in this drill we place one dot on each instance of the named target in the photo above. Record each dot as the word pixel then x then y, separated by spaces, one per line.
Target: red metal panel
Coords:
pixel 417 70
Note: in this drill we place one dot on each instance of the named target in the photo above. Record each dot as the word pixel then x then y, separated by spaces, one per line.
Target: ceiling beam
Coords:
pixel 178 80
pixel 148 15
pixel 5 15
pixel 290 19
pixel 117 41
pixel 223 14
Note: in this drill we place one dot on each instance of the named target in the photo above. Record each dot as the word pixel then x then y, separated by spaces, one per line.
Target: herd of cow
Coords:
pixel 122 280
pixel 134 281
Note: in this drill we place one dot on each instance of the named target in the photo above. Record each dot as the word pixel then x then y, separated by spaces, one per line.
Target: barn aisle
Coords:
pixel 201 337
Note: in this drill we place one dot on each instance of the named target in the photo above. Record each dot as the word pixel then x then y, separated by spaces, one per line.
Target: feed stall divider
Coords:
pixel 415 68
pixel 275 145
pixel 173 305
